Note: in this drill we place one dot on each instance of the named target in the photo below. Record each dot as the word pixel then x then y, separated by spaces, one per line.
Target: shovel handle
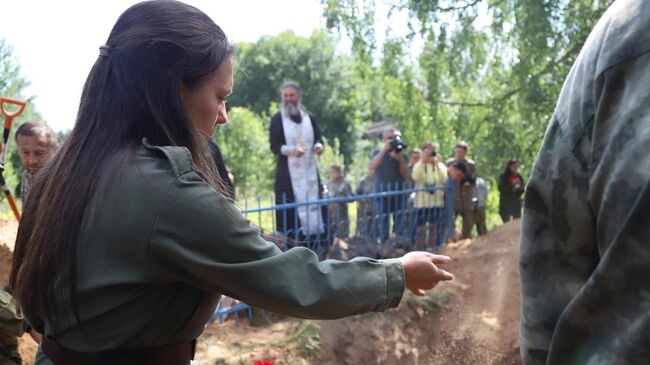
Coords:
pixel 9 116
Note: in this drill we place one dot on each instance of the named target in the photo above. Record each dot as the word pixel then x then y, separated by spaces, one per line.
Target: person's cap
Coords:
pixel 462 144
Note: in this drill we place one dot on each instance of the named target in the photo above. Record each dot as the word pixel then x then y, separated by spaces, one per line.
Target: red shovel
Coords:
pixel 9 118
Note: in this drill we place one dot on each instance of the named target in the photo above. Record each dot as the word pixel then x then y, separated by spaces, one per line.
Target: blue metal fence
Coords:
pixel 388 223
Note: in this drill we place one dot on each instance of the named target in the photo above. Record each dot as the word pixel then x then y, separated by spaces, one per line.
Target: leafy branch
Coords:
pixel 547 69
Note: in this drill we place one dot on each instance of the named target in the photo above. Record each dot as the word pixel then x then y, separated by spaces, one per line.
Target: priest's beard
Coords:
pixel 293 111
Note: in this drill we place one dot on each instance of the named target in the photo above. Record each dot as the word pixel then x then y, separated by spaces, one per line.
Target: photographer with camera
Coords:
pixel 391 172
pixel 431 174
pixel 511 189
pixel 465 189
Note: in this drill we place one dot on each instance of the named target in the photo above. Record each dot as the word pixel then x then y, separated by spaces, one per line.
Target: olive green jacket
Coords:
pixel 158 246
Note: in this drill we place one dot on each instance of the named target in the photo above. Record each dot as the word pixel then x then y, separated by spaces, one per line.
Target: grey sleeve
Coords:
pixel 584 246
pixel 557 252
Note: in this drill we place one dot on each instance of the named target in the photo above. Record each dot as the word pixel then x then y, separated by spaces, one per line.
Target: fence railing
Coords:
pixel 382 224
pixel 386 223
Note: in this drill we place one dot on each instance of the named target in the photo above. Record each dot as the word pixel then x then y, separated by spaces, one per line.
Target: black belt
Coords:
pixel 177 354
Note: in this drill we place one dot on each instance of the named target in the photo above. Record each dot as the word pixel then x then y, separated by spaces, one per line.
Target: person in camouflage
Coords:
pixel 337 187
pixel 12 325
pixel 465 189
pixel 585 258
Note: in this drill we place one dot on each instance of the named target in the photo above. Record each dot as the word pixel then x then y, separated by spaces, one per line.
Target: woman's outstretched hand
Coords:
pixel 422 272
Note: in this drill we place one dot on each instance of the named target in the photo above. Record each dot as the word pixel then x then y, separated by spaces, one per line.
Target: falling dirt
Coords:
pixel 472 320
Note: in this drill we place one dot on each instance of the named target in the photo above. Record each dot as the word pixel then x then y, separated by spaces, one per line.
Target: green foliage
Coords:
pixel 489 72
pixel 331 156
pixel 244 143
pixel 307 335
pixel 12 85
pixel 432 300
pixel 327 81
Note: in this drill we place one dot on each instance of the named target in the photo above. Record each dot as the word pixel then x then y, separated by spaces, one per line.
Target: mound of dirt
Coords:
pixel 5 265
pixel 8 229
pixel 481 324
pixel 472 320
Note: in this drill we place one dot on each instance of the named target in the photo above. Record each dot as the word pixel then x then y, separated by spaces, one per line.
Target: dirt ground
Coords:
pixel 472 320
pixel 8 229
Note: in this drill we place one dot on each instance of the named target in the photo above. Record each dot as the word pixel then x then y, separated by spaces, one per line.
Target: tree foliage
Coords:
pixel 244 143
pixel 489 72
pixel 13 85
pixel 326 78
pixel 486 71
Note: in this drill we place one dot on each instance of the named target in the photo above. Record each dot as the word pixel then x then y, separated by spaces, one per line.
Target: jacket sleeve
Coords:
pixel 418 174
pixel 202 239
pixel 318 136
pixel 348 190
pixel 557 254
pixel 276 136
pixel 442 174
pixel 504 185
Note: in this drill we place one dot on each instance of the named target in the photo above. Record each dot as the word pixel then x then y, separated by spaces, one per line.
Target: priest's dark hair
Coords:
pixel 131 93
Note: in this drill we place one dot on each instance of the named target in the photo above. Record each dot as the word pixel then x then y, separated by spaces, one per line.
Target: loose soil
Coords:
pixel 472 320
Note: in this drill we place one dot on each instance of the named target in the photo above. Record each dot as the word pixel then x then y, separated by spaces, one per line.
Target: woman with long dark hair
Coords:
pixel 127 242
pixel 511 189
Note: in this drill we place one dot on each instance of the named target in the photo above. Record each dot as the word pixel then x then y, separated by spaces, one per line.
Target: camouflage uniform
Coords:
pixel 585 258
pixel 26 180
pixel 12 325
pixel 464 192
pixel 339 217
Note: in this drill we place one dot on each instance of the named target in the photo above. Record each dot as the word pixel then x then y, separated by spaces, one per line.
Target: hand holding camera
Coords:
pixel 431 158
pixel 394 147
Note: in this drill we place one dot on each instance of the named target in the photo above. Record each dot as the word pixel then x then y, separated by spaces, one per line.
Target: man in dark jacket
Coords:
pixel 511 188
pixel 296 140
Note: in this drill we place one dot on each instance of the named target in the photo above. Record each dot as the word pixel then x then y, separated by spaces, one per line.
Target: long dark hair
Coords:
pixel 132 92
pixel 507 172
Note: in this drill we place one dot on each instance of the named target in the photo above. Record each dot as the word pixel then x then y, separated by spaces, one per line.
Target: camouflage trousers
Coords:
pixel 468 222
pixel 9 354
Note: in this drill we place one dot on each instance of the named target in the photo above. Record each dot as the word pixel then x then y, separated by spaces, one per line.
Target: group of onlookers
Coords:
pixel 419 216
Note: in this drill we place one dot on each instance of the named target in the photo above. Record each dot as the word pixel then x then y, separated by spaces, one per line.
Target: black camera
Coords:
pixel 396 143
pixel 431 188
